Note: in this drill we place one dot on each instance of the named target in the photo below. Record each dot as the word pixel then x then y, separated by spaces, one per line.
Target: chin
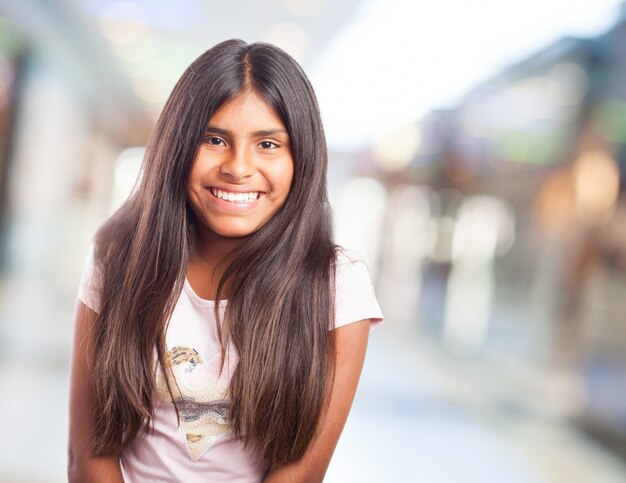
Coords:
pixel 235 232
pixel 238 235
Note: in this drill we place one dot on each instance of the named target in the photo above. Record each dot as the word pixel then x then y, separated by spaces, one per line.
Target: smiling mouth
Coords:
pixel 232 197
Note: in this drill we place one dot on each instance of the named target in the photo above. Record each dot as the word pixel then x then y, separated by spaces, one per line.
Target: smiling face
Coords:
pixel 243 170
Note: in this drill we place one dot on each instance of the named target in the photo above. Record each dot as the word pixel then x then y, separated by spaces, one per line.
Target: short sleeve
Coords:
pixel 89 289
pixel 354 297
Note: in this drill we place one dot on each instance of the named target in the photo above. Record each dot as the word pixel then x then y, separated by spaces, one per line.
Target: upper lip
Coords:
pixel 235 189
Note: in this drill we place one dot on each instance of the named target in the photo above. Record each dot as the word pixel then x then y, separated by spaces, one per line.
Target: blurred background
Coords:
pixel 477 160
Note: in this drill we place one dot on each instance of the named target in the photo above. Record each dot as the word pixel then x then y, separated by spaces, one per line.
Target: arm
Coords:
pixel 350 346
pixel 83 466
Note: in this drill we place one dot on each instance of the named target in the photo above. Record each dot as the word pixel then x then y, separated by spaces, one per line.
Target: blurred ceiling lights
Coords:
pixel 152 61
pixel 586 191
pixel 156 41
pixel 528 102
pixel 123 22
pixel 381 70
pixel 395 150
pixel 305 8
pixel 596 180
pixel 399 60
pixel 290 37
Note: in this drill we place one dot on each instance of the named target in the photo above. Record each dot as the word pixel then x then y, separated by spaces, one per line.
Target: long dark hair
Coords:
pixel 280 297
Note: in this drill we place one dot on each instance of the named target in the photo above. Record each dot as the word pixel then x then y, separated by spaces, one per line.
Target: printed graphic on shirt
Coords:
pixel 201 394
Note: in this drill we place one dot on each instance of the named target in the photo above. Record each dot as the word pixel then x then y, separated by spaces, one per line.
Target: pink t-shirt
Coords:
pixel 203 448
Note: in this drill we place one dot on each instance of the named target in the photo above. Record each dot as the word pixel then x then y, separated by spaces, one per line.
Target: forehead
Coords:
pixel 247 110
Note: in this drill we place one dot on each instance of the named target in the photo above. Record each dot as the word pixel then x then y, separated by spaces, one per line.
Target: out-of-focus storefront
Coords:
pixel 66 112
pixel 12 54
pixel 505 229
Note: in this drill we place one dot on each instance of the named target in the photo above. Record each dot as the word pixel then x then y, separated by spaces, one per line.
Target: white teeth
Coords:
pixel 235 197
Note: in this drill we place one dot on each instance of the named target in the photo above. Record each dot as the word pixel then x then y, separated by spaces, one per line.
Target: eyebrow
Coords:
pixel 262 132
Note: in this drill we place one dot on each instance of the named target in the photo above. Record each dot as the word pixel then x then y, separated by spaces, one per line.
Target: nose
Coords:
pixel 237 165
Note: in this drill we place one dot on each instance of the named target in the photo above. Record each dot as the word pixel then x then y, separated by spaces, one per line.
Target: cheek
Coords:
pixel 286 186
pixel 285 179
pixel 195 173
pixel 193 204
pixel 194 192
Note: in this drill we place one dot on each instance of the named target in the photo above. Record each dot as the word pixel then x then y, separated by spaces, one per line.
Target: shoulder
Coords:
pixel 350 266
pixel 355 298
pixel 90 285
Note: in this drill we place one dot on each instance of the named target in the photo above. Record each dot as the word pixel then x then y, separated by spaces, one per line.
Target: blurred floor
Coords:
pixel 418 417
pixel 422 417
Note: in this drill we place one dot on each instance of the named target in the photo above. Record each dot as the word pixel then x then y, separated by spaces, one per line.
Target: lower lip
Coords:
pixel 234 206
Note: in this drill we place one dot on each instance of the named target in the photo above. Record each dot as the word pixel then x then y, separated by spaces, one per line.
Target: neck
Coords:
pixel 206 266
pixel 212 249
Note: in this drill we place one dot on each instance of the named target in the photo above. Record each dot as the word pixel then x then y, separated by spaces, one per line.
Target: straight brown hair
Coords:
pixel 280 282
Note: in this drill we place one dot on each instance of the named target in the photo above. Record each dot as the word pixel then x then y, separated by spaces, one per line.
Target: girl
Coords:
pixel 220 334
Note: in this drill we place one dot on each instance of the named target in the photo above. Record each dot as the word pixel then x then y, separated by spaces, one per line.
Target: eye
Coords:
pixel 213 141
pixel 268 145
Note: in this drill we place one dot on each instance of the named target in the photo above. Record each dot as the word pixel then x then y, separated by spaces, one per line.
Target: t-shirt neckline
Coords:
pixel 199 300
